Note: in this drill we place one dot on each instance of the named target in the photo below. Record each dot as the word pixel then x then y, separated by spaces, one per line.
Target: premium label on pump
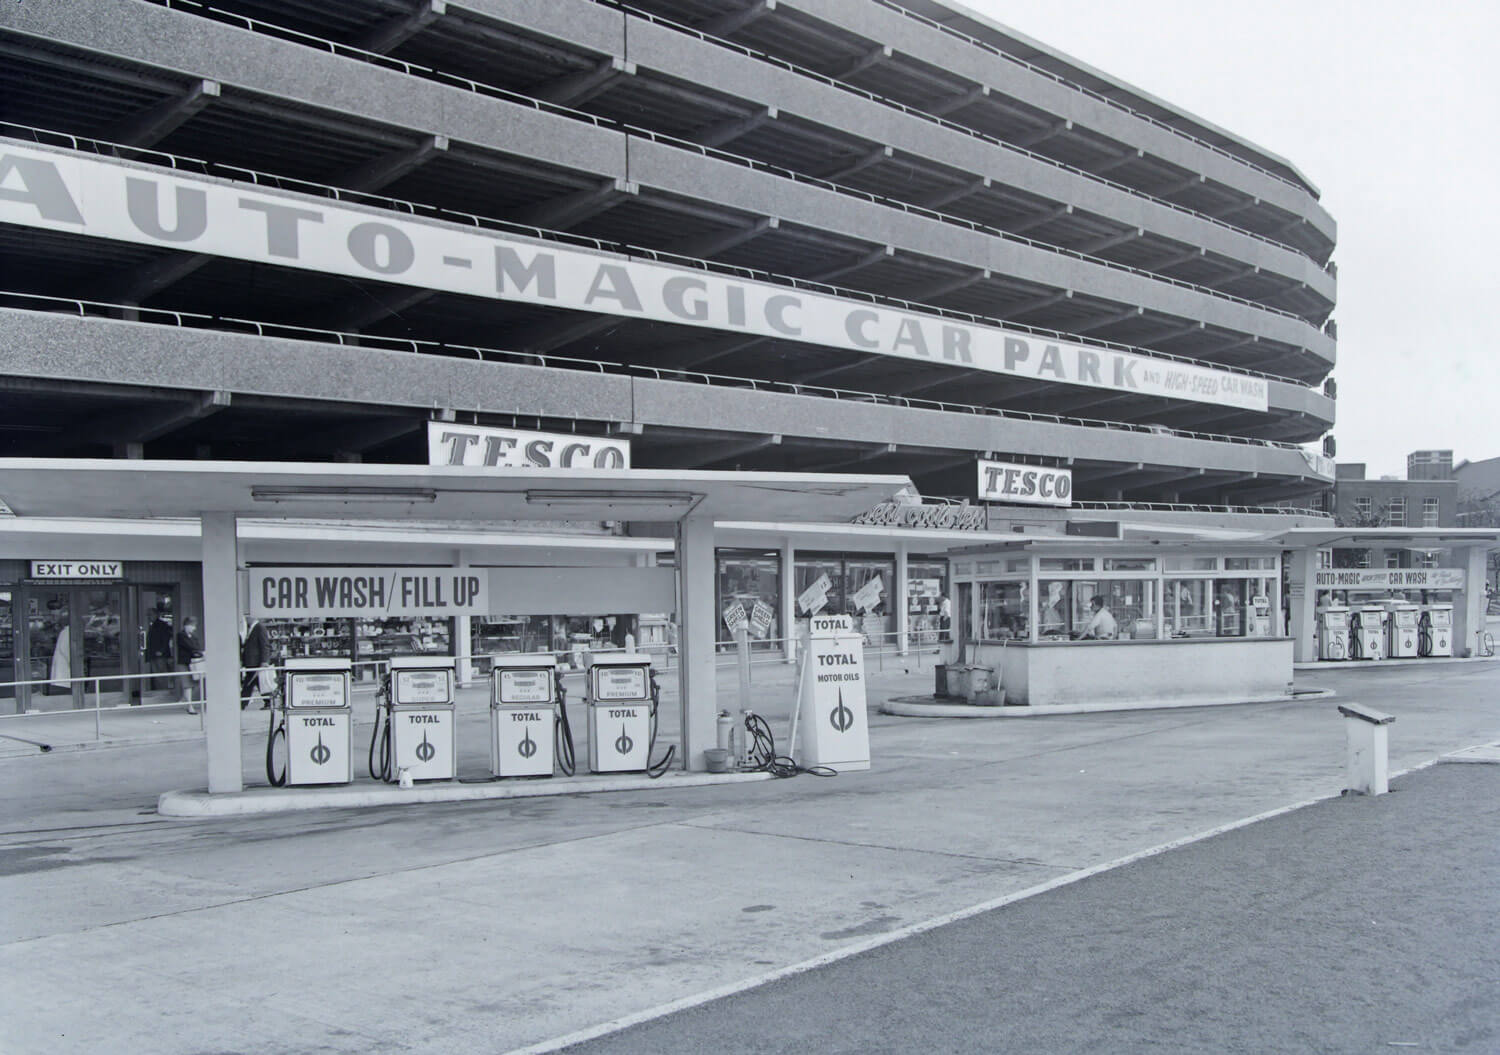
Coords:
pixel 317 690
pixel 619 683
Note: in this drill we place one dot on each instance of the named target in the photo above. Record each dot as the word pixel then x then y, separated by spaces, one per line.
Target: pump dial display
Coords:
pixel 317 690
pixel 526 686
pixel 423 686
pixel 619 683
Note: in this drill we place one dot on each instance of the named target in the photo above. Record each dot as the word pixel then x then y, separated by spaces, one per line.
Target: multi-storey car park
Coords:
pixel 917 159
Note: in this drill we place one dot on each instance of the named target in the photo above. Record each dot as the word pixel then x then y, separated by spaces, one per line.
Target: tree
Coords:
pixel 1377 516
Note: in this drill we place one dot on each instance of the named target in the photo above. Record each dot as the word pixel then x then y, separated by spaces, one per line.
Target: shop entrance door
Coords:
pixel 156 625
pixel 71 633
pixel 10 669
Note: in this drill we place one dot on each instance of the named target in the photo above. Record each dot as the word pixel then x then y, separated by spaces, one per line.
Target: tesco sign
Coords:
pixel 449 444
pixel 1025 484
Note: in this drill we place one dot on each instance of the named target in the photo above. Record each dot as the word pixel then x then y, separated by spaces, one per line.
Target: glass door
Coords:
pixel 49 651
pixel 153 643
pixel 10 670
pixel 99 610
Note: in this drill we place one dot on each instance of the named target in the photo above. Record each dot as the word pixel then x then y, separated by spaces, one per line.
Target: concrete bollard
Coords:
pixel 1366 747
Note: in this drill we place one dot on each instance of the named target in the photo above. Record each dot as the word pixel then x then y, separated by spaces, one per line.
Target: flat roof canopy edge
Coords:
pixel 267 490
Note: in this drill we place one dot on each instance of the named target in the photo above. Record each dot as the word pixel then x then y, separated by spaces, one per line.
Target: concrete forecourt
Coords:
pixel 529 923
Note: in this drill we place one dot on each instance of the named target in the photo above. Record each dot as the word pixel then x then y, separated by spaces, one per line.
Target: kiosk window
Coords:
pixel 1067 564
pixel 1004 610
pixel 1191 563
pixel 1186 608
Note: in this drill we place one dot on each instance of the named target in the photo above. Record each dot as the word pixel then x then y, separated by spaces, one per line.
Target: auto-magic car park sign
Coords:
pixel 1025 484
pixel 97 197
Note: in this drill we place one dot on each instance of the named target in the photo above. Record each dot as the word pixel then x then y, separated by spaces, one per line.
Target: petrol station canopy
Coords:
pixel 1426 538
pixel 61 487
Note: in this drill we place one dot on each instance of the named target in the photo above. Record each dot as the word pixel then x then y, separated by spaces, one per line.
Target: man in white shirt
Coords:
pixel 1102 624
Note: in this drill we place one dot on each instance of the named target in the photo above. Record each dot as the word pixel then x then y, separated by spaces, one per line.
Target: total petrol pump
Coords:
pixel 313 719
pixel 529 731
pixel 1259 620
pixel 621 695
pixel 1333 632
pixel 414 726
pixel 1401 629
pixel 1367 631
pixel 1435 630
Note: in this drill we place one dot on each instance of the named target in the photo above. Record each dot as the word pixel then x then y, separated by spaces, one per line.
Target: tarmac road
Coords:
pixel 1354 925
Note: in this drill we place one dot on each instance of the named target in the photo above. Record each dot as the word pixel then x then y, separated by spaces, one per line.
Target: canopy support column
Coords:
pixel 696 621
pixel 1303 597
pixel 221 651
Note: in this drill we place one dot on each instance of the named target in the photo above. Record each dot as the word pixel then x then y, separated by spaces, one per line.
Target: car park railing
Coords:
pixel 975 133
pixel 412 69
pixel 548 360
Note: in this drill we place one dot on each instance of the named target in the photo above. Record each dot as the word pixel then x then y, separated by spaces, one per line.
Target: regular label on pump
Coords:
pixel 422 742
pixel 834 729
pixel 525 686
pixel 318 748
pixel 619 737
pixel 522 744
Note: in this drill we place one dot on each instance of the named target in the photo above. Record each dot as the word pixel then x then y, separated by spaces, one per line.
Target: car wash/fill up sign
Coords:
pixel 312 593
pixel 834 730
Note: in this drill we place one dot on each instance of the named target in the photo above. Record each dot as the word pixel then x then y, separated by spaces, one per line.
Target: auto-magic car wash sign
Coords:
pixel 310 593
pixel 100 197
pixel 1025 484
pixel 1389 579
pixel 514 449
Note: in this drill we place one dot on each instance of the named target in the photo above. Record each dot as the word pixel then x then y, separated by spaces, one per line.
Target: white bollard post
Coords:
pixel 1366 739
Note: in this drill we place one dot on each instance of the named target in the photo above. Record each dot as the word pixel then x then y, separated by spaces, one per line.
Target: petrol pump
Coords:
pixel 1259 624
pixel 1367 631
pixel 415 725
pixel 1435 630
pixel 529 731
pixel 315 723
pixel 1401 619
pixel 622 701
pixel 1333 632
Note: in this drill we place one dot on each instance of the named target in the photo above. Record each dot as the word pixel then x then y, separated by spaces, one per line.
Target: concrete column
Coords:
pixel 221 651
pixel 463 627
pixel 696 621
pixel 1469 607
pixel 898 598
pixel 789 600
pixel 1301 574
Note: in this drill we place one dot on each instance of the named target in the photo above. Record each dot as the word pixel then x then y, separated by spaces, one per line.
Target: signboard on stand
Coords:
pixel 734 617
pixel 760 618
pixel 868 595
pixel 834 730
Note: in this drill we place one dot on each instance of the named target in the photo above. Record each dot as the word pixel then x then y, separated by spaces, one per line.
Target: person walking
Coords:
pixel 189 661
pixel 255 652
pixel 159 649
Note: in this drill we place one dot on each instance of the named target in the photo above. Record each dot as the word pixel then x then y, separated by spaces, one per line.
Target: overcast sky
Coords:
pixel 1393 111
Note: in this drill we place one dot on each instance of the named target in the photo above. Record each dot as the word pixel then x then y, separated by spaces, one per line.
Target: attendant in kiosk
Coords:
pixel 1101 625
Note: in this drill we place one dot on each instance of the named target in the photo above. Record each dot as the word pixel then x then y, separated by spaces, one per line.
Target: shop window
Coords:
pixel 1429 512
pixel 1249 563
pixel 1363 505
pixel 926 590
pixel 1129 564
pixel 1392 559
pixel 867 591
pixel 746 577
pixel 1398 512
pixel 1004 610
pixel 1067 564
pixel 1191 563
